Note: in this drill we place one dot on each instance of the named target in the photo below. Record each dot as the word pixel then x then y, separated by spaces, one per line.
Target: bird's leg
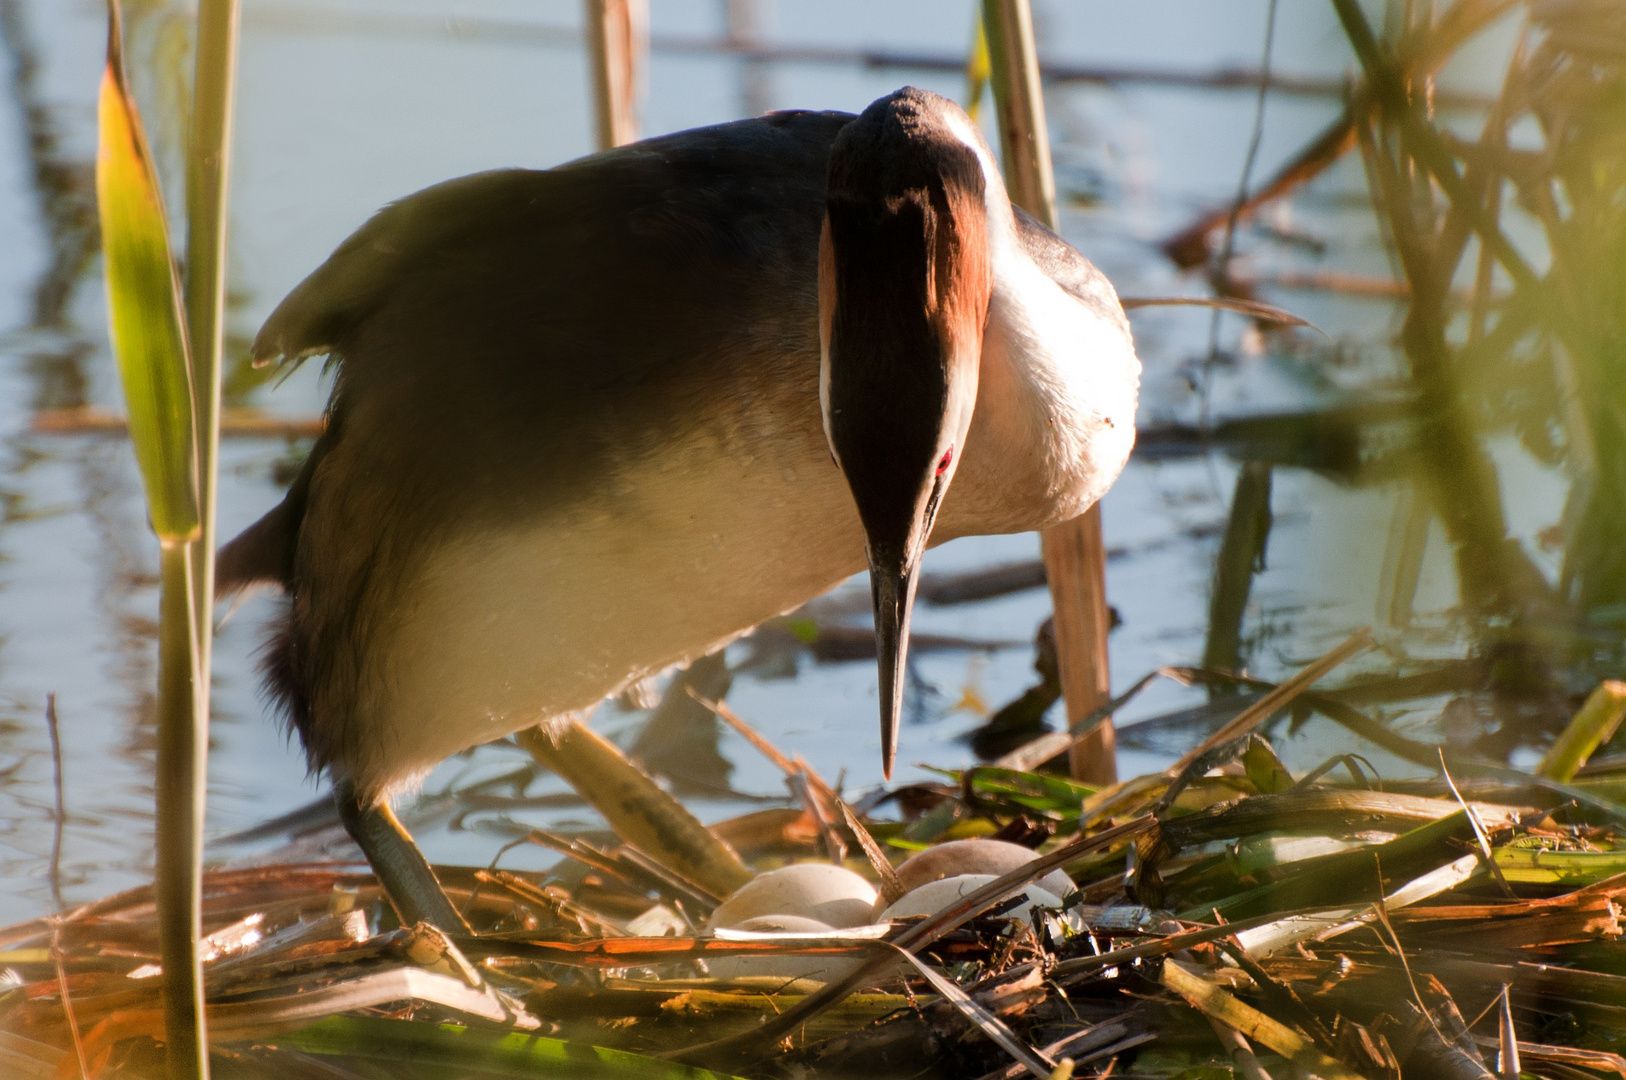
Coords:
pixel 401 868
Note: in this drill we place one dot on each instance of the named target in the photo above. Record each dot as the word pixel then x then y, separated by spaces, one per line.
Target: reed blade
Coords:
pixel 144 306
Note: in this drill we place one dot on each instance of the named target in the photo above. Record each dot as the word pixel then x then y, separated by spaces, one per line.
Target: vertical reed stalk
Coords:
pixel 756 76
pixel 1019 104
pixel 188 591
pixel 1403 553
pixel 1074 553
pixel 977 69
pixel 618 43
pixel 183 748
pixel 207 172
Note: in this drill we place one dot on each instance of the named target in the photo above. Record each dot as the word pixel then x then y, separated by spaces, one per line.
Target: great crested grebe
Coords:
pixel 598 420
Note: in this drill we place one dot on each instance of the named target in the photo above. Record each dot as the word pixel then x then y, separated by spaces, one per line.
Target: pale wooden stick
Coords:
pixel 821 791
pixel 635 807
pixel 618 44
pixel 1074 554
pixel 1075 562
pixel 1241 1054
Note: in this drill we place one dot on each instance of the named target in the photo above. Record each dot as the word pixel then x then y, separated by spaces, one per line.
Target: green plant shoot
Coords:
pixel 144 309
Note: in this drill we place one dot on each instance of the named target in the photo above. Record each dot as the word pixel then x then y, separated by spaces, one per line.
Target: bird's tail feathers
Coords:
pixel 262 554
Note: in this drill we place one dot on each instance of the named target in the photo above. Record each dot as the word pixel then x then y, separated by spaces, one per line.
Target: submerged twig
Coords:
pixel 56 889
pixel 60 814
pixel 1276 700
pixel 1237 1048
pixel 1219 269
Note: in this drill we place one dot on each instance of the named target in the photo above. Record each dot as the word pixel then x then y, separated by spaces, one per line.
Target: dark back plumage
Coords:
pixel 489 326
pixel 487 294
pixel 507 341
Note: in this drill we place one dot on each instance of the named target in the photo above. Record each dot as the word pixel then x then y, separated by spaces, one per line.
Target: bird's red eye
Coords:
pixel 948 458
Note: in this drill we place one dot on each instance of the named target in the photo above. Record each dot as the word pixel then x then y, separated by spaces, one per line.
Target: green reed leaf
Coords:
pixel 145 309
pixel 491 1052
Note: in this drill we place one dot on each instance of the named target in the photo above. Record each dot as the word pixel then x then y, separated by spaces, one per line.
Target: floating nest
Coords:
pixel 1227 919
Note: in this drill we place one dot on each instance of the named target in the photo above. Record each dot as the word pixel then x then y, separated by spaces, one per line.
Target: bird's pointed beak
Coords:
pixel 892 585
pixel 904 288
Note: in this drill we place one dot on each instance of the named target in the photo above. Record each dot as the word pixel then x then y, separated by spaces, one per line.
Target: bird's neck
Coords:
pixel 1055 412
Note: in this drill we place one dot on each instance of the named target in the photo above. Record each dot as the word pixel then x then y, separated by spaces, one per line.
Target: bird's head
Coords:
pixel 904 284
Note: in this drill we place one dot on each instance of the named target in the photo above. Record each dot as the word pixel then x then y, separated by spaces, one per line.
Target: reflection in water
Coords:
pixel 742 20
pixel 65 192
pixel 66 189
pixel 54 350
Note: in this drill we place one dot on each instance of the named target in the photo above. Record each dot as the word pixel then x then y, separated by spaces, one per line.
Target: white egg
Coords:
pixel 822 968
pixel 784 924
pixel 934 896
pixel 830 894
pixel 979 856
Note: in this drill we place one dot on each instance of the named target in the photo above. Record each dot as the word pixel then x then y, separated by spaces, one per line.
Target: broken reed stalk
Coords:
pixel 1035 1062
pixel 1074 552
pixel 1220 1005
pixel 1241 555
pixel 823 800
pixel 1508 1056
pixel 1592 726
pixel 891 889
pixel 58 819
pixel 617 45
pixel 733 720
pixel 1241 1054
pixel 635 807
